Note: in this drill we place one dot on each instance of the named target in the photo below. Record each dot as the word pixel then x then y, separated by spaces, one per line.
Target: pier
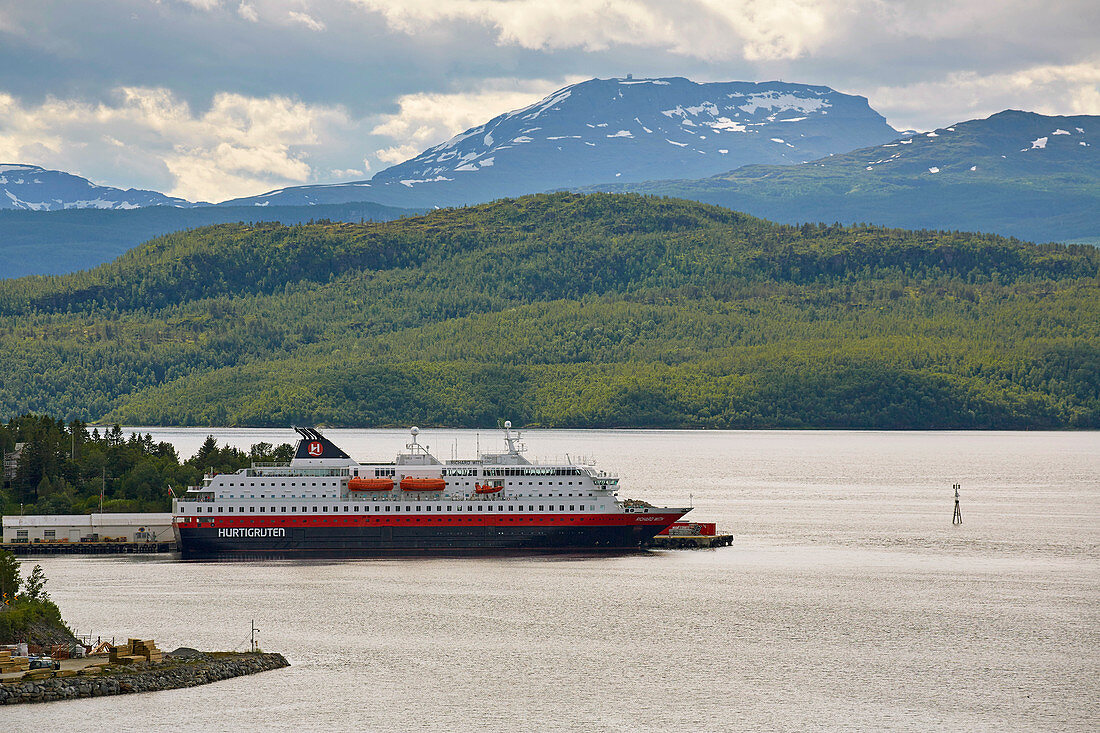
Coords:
pixel 87 548
pixel 690 542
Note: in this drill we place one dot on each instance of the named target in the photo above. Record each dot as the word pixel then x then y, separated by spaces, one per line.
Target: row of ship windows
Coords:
pixel 355 508
pixel 282 483
pixel 455 483
pixel 326 496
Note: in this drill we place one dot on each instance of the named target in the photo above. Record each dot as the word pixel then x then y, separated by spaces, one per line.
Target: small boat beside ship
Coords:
pixel 325 503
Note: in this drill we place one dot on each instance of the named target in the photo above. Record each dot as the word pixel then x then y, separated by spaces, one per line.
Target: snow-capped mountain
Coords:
pixel 33 188
pixel 1014 173
pixel 618 130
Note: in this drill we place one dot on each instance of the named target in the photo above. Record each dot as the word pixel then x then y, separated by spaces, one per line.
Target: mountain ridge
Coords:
pixel 1016 173
pixel 34 188
pixel 620 127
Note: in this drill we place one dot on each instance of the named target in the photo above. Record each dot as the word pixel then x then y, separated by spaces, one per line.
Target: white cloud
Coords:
pixel 239 146
pixel 713 29
pixel 426 119
pixel 1047 89
pixel 204 4
pixel 306 19
pixel 248 11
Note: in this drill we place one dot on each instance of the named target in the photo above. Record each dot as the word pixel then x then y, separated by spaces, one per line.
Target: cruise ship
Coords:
pixel 324 503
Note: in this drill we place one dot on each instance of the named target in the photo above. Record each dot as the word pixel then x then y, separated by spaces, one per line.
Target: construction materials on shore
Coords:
pixel 136 650
pixel 11 662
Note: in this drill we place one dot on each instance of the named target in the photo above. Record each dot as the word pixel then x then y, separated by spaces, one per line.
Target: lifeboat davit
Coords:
pixel 423 484
pixel 487 489
pixel 370 484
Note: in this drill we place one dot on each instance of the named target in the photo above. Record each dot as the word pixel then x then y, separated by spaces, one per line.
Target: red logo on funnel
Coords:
pixel 315 449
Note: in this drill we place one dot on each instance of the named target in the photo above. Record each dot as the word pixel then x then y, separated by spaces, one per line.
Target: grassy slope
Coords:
pixel 565 310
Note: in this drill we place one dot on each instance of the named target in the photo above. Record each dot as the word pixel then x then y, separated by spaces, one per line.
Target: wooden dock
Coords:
pixel 87 548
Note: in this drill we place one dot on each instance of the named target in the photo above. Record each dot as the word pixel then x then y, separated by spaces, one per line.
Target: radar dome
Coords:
pixel 415 430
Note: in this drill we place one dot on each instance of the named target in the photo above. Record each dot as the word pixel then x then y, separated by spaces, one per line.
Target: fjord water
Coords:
pixel 847 601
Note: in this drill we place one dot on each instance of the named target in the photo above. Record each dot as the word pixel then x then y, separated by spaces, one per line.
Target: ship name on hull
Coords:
pixel 252 532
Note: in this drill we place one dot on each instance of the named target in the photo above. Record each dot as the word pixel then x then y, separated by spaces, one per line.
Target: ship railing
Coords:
pixel 285 470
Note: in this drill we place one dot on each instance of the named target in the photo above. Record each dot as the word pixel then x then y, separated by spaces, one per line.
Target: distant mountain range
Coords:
pixel 617 130
pixel 31 188
pixel 1022 174
pixel 788 152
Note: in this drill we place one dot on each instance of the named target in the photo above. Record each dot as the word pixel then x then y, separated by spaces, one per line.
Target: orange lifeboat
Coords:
pixel 370 484
pixel 487 489
pixel 423 484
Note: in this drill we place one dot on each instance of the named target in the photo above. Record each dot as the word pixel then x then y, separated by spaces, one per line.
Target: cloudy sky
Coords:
pixel 210 99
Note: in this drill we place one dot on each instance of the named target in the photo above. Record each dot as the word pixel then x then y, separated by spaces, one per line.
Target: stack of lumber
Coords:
pixel 136 650
pixel 10 663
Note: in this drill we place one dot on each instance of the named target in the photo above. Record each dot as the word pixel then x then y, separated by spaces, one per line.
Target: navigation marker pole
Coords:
pixel 254 630
pixel 957 517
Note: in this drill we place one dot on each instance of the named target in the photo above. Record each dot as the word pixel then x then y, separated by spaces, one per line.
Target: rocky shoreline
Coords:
pixel 172 673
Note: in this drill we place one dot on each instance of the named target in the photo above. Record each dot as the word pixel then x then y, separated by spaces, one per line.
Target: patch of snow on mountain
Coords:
pixel 1038 143
pixel 486 163
pixel 723 151
pixel 522 139
pixel 655 82
pixel 933 169
pixel 794 119
pixel 564 137
pixel 539 107
pixel 1085 144
pixel 622 133
pixel 782 101
pixel 778 140
pixel 682 145
pixel 1060 131
pixel 410 182
pixel 931 134
pixel 1081 130
pixel 973 167
pixel 725 123
pixel 905 142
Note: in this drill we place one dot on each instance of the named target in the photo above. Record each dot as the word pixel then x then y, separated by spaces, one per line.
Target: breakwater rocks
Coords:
pixel 170 674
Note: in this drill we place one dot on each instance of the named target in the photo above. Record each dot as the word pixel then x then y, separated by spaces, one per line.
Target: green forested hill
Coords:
pixel 564 310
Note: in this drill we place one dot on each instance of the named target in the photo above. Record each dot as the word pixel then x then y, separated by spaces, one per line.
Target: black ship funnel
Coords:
pixel 314 445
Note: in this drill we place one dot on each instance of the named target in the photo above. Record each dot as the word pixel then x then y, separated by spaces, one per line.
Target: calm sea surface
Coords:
pixel 847 601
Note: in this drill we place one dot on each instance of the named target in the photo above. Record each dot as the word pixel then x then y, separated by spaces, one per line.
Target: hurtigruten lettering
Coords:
pixel 252 532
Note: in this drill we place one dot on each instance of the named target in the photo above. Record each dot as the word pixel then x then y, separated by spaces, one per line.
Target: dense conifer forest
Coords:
pixel 564 310
pixel 73 469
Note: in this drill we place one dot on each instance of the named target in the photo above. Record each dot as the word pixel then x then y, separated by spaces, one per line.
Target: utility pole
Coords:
pixel 102 489
pixel 957 517
pixel 254 630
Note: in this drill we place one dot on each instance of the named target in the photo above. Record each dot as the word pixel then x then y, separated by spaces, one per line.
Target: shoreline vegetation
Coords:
pixel 563 310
